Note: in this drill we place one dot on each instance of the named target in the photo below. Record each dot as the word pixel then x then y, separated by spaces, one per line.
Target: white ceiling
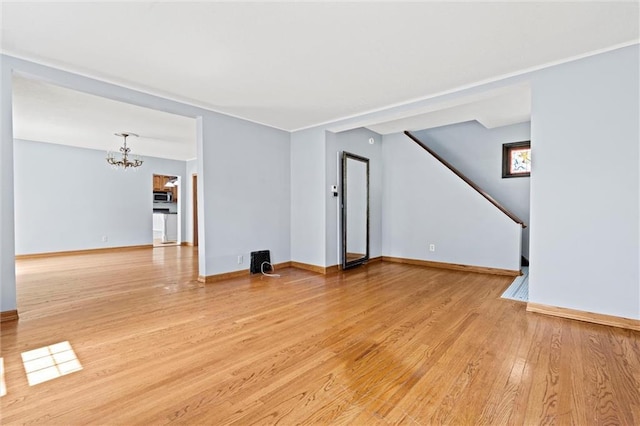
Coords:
pixel 297 64
pixel 494 108
pixel 49 113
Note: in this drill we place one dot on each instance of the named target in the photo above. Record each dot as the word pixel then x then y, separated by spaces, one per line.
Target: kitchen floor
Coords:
pixel 157 242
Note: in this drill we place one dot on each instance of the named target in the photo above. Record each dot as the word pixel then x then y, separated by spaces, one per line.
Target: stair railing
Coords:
pixel 469 182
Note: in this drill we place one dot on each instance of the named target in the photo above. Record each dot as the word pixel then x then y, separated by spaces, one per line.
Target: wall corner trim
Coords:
pixel 86 251
pixel 235 274
pixel 315 268
pixel 453 266
pixel 6 316
pixel 574 314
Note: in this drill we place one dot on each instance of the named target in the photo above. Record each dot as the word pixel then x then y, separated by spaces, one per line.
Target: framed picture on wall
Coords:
pixel 516 159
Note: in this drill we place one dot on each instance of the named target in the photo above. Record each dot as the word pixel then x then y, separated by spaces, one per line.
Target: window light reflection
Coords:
pixel 50 362
pixel 3 386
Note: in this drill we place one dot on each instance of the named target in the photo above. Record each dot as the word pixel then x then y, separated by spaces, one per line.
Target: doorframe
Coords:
pixel 179 208
pixel 194 207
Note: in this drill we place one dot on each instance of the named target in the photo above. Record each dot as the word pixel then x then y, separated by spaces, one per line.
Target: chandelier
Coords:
pixel 124 161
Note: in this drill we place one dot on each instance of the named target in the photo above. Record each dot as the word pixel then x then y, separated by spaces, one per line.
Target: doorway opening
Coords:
pixel 166 211
pixel 194 197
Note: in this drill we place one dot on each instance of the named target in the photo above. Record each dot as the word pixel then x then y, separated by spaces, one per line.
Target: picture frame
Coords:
pixel 516 159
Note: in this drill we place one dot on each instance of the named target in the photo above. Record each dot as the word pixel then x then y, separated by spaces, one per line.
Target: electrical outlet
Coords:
pixel 104 239
pixel 239 260
pixel 432 247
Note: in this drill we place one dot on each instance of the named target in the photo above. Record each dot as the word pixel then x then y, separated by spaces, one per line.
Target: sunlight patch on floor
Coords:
pixel 3 386
pixel 50 362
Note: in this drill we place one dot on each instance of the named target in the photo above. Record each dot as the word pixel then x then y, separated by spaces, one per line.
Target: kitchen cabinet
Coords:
pixel 159 182
pixel 174 194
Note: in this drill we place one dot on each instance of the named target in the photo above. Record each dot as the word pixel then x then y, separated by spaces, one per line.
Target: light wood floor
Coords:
pixel 381 344
pixel 157 242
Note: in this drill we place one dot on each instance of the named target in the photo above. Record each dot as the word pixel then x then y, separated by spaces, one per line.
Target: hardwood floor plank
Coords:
pixel 572 376
pixel 385 343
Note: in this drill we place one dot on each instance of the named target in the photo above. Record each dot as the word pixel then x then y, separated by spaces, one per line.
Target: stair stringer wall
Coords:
pixel 425 203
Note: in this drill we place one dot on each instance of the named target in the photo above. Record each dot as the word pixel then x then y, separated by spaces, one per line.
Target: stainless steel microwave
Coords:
pixel 162 197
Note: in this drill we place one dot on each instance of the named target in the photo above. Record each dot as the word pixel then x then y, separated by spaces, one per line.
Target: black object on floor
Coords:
pixel 257 259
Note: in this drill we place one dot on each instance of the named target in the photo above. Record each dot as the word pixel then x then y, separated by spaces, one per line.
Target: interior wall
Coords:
pixel 68 198
pixel 308 193
pixel 212 208
pixel 247 189
pixel 356 142
pixel 425 203
pixel 585 185
pixel 477 152
pixel 191 169
pixel 7 232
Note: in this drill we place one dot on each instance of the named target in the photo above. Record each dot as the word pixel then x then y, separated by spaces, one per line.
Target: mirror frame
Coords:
pixel 344 206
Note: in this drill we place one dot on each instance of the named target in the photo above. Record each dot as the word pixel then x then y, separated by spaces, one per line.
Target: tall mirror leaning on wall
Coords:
pixel 355 210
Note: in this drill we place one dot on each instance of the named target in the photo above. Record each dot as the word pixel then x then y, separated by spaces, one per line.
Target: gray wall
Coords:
pixel 314 210
pixel 67 198
pixel 356 142
pixel 187 187
pixel 425 203
pixel 477 152
pixel 308 195
pixel 585 185
pixel 247 192
pixel 7 215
